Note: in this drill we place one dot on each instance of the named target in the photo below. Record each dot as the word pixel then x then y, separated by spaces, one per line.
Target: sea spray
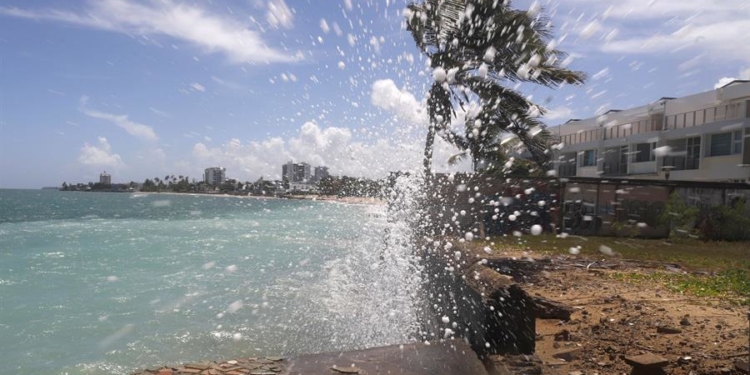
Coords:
pixel 373 294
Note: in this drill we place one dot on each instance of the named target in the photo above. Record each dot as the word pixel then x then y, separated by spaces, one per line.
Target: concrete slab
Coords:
pixel 449 358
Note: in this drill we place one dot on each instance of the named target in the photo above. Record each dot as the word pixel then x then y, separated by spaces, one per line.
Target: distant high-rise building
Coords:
pixel 321 173
pixel 215 175
pixel 287 171
pixel 105 178
pixel 296 172
pixel 302 172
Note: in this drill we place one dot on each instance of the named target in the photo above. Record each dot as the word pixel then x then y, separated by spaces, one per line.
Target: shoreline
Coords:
pixel 319 198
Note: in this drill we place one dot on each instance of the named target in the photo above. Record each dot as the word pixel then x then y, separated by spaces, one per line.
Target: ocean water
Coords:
pixel 102 283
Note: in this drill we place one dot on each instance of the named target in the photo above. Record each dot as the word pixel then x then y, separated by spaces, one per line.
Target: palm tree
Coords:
pixel 474 47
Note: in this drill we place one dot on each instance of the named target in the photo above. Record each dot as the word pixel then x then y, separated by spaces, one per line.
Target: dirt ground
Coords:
pixel 615 318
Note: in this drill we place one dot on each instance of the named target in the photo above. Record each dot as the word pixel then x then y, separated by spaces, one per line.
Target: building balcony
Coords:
pixel 614 169
pixel 681 163
pixel 567 170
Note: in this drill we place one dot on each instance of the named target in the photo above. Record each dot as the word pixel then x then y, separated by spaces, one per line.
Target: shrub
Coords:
pixel 725 223
pixel 679 217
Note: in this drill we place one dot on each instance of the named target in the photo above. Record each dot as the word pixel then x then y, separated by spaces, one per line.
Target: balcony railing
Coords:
pixel 614 169
pixel 706 116
pixel 636 127
pixel 567 170
pixel 582 137
pixel 681 163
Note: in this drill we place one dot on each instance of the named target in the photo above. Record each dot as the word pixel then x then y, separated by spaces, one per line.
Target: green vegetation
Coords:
pixel 726 265
pixel 350 187
pixel 726 223
pixel 720 223
pixel 679 217
pixel 733 285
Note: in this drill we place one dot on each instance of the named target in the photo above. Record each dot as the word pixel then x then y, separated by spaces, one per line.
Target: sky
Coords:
pixel 145 89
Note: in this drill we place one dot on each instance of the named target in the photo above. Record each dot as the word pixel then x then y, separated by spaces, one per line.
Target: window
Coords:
pixel 644 152
pixel 724 144
pixel 589 158
pixel 693 153
pixel 737 143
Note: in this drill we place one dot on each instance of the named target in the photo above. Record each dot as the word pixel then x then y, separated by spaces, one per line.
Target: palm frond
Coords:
pixel 455 159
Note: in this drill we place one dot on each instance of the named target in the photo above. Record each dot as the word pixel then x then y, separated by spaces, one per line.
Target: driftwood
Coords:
pixel 548 309
pixel 492 312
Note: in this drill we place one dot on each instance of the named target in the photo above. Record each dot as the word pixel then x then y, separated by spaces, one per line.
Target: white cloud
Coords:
pixel 333 147
pixel 133 128
pixel 558 113
pixel 228 84
pixel 715 30
pixel 723 82
pixel 197 87
pixel 744 74
pixel 386 95
pixel 159 112
pixel 211 33
pixel 99 155
pixel 279 14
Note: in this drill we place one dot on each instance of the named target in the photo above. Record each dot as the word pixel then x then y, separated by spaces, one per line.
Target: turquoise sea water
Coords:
pixel 95 283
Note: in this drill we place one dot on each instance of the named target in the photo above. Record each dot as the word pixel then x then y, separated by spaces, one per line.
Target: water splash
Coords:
pixel 372 294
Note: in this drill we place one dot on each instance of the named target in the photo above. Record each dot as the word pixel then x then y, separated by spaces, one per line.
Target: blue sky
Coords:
pixel 150 88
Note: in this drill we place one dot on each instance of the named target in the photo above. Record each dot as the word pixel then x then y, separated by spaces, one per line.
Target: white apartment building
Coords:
pixel 215 175
pixel 105 178
pixel 701 137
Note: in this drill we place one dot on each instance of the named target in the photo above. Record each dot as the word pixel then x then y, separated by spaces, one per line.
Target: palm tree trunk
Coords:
pixel 440 108
pixel 428 147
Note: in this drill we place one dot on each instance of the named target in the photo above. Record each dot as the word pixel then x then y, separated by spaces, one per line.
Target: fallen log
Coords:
pixel 548 309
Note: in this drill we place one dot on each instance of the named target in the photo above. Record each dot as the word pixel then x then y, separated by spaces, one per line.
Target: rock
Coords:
pixel 517 364
pixel 674 269
pixel 563 335
pixel 165 371
pixel 684 360
pixel 568 355
pixel 646 360
pixel 684 322
pixel 346 370
pixel 199 366
pixel 189 371
pixel 575 373
pixel 742 366
pixel 549 309
pixel 667 330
